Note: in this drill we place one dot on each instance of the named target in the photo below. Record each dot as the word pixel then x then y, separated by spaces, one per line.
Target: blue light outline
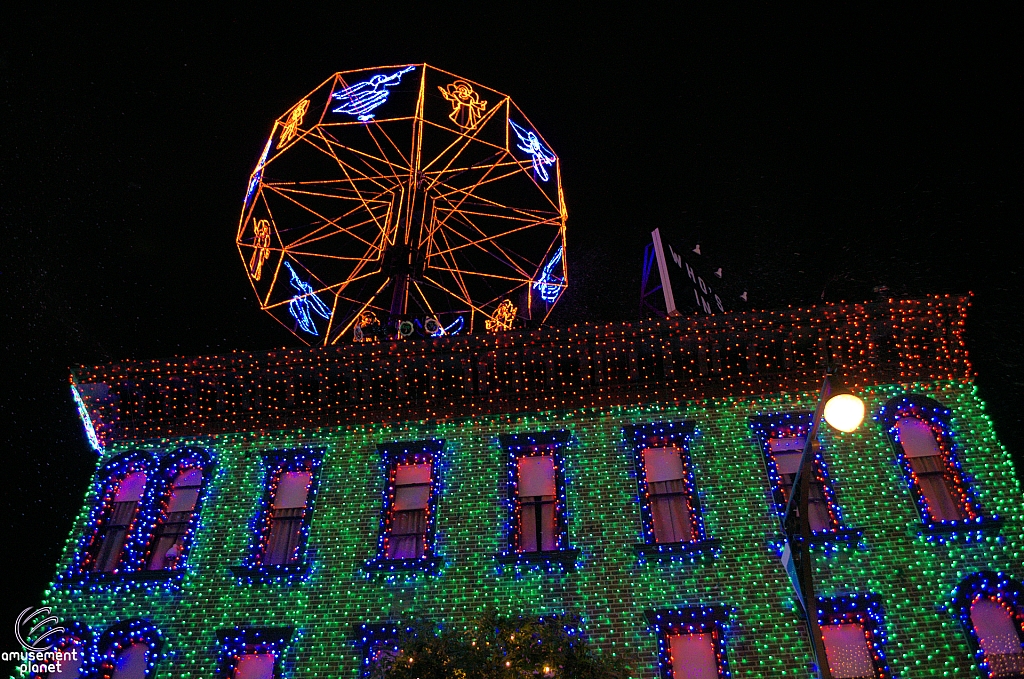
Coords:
pixel 541 155
pixel 298 306
pixel 83 414
pixel 550 286
pixel 361 102
pixel 257 175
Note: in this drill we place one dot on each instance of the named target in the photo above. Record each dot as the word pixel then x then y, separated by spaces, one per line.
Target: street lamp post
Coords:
pixel 844 411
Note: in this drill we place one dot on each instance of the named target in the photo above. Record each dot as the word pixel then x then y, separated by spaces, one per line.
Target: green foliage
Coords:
pixel 499 648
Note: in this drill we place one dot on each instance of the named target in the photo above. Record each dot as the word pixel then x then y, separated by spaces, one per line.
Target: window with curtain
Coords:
pixel 782 437
pixel 117 522
pixel 692 641
pixel 693 656
pixel 786 453
pixel 668 495
pixel 538 530
pixel 671 515
pixel 255 665
pixel 411 485
pixel 853 632
pixel 172 526
pixel 939 488
pixel 287 516
pixel 921 433
pixel 407 528
pixel 999 637
pixel 252 652
pixel 535 504
pixel 849 651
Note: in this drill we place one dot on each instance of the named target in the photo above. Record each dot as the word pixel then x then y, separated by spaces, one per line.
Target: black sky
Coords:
pixel 826 153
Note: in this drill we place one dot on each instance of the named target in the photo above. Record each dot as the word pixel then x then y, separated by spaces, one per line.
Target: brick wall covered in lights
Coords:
pixel 347 417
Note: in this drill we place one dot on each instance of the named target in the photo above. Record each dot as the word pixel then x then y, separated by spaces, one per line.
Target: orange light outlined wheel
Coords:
pixel 404 200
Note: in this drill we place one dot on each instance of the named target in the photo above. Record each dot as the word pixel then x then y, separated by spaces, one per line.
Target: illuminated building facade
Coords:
pixel 281 514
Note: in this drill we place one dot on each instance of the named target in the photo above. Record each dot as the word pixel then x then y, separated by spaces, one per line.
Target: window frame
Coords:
pixel 274 465
pixel 937 417
pixel 714 620
pixel 121 635
pixel 171 466
pixel 796 425
pixel 676 435
pixel 106 485
pixel 235 642
pixel 990 585
pixel 136 551
pixel 517 446
pixel 394 454
pixel 864 609
pixel 368 635
pixel 87 643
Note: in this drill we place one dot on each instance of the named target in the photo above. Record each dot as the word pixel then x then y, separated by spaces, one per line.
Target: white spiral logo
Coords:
pixel 25 620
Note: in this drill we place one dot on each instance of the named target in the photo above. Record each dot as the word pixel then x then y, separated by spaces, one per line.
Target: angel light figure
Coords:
pixel 361 98
pixel 503 317
pixel 466 105
pixel 529 143
pixel 262 251
pixel 300 305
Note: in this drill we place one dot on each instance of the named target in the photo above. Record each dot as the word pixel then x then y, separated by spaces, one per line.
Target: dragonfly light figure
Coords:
pixel 306 300
pixel 529 143
pixel 360 99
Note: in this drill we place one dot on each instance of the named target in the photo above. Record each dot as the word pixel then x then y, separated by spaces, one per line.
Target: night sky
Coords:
pixel 822 155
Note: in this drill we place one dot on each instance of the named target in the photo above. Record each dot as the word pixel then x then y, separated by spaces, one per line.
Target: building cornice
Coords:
pixel 676 359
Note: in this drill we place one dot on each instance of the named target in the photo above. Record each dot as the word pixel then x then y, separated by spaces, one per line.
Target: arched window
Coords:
pixel 172 527
pixel 131 662
pixel 991 609
pixel 119 513
pixel 995 624
pixel 920 433
pixel 129 650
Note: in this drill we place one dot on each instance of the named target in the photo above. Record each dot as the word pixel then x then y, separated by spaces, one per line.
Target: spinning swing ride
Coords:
pixel 404 201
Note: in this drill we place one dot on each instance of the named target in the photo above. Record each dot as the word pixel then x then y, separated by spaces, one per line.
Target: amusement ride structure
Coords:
pixel 404 201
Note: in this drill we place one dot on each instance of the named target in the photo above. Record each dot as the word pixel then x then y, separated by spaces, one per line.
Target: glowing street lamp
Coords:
pixel 844 411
